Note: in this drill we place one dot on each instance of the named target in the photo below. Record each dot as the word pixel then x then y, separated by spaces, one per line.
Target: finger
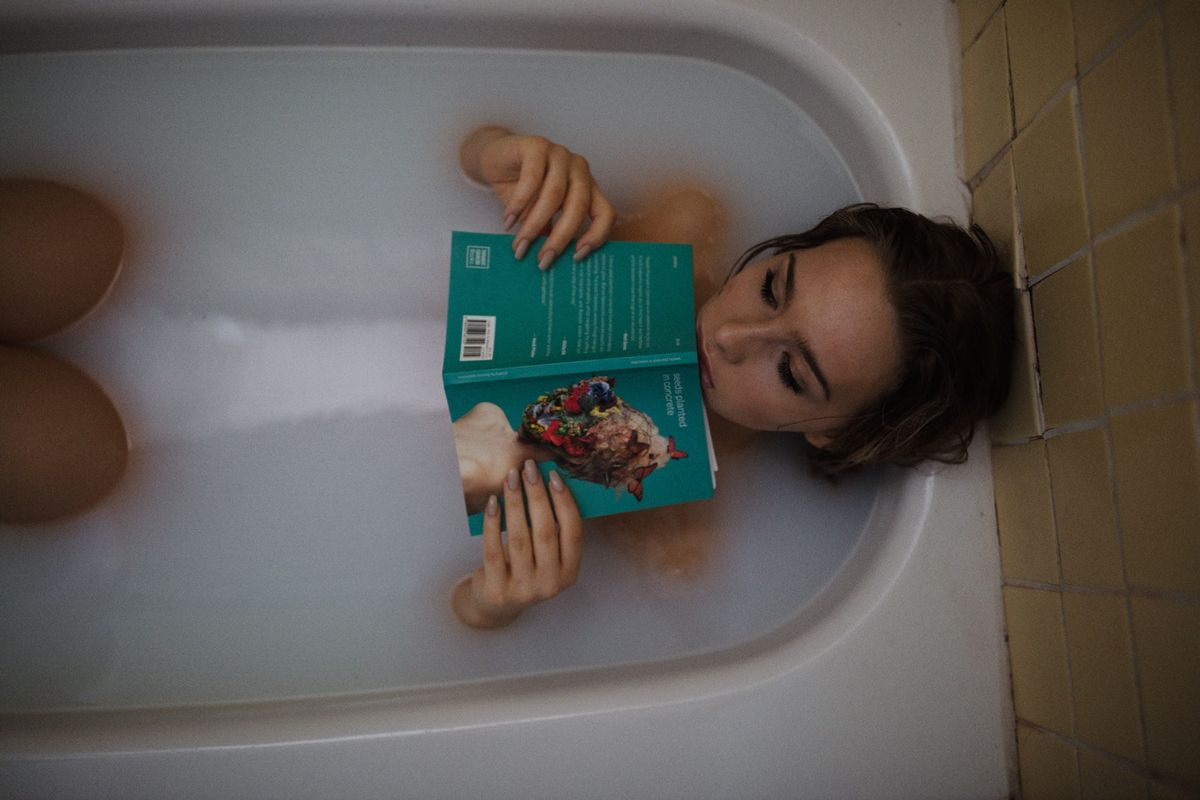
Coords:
pixel 570 530
pixel 604 216
pixel 543 529
pixel 533 153
pixel 495 565
pixel 574 212
pixel 549 199
pixel 520 549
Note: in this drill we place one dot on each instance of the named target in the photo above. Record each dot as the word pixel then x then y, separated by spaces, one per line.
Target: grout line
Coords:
pixel 1155 403
pixel 982 174
pixel 1076 426
pixel 1140 592
pixel 1109 446
pixel 1140 770
pixel 1176 155
pixel 1082 252
pixel 982 27
pixel 1130 221
pixel 1146 212
pixel 1059 94
pixel 1102 420
pixel 1062 610
pixel 1118 41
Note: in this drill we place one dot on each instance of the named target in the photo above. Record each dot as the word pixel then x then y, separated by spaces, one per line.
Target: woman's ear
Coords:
pixel 819 440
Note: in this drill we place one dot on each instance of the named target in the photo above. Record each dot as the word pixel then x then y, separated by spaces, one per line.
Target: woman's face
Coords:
pixel 800 341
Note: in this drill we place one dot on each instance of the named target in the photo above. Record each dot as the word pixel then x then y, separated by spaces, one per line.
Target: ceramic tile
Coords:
pixel 1018 417
pixel 993 208
pixel 1167 637
pixel 1064 315
pixel 1050 187
pixel 1089 550
pixel 1041 52
pixel 1126 135
pixel 1101 660
pixel 987 109
pixel 1191 227
pixel 1139 283
pixel 1158 496
pixel 1183 67
pixel 1104 778
pixel 1048 768
pixel 1038 652
pixel 1024 513
pixel 1097 22
pixel 1162 790
pixel 972 15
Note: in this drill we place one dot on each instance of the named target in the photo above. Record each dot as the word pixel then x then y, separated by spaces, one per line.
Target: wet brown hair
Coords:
pixel 955 306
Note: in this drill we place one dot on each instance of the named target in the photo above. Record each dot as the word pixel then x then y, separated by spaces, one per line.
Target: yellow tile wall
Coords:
pixel 1081 148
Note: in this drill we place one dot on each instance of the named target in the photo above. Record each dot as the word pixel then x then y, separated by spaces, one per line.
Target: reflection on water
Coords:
pixel 197 375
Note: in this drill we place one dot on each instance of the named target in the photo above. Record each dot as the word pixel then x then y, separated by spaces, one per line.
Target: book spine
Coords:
pixel 590 366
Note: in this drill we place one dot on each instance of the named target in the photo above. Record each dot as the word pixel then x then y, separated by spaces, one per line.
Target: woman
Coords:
pixel 879 336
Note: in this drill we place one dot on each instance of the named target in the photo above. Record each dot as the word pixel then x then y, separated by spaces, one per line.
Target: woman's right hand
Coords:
pixel 537 559
pixel 537 180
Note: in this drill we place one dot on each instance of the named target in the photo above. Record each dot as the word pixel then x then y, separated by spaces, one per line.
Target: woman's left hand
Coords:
pixel 538 558
pixel 536 181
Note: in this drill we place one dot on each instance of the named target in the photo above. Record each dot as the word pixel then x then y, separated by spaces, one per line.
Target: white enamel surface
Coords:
pixel 886 683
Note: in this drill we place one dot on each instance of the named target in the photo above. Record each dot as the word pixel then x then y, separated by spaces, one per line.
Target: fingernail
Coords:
pixel 513 481
pixel 531 472
pixel 555 482
pixel 493 506
pixel 547 259
pixel 581 252
pixel 522 246
pixel 509 221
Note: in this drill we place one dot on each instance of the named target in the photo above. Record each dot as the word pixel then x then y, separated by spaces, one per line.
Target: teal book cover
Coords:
pixel 588 368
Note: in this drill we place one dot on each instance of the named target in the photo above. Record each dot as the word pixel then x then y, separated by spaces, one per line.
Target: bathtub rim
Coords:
pixel 733 34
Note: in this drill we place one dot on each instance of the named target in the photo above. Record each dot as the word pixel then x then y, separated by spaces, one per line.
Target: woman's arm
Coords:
pixel 536 559
pixel 543 188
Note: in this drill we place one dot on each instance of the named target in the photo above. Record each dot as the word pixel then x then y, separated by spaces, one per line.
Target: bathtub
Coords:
pixel 260 609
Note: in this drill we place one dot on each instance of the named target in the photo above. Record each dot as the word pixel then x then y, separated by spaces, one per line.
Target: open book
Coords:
pixel 593 365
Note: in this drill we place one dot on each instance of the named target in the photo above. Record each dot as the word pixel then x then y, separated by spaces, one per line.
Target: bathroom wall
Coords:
pixel 1081 148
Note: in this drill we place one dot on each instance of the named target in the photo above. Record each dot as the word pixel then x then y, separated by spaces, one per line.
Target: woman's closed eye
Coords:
pixel 767 290
pixel 784 368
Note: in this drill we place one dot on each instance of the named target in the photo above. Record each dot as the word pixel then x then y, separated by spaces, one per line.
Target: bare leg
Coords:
pixel 60 252
pixel 64 444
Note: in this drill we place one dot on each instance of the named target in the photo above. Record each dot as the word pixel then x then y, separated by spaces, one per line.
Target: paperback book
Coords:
pixel 588 368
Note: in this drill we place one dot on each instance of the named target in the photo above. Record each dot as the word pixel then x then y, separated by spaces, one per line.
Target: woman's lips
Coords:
pixel 706 380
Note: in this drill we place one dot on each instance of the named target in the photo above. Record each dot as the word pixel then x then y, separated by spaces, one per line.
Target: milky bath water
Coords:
pixel 291 520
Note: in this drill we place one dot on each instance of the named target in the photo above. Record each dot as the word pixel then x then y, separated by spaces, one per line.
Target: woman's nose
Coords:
pixel 736 340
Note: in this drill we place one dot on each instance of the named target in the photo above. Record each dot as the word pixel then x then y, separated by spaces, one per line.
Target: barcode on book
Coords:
pixel 478 336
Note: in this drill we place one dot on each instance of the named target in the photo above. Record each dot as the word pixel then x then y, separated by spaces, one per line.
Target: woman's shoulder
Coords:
pixel 687 213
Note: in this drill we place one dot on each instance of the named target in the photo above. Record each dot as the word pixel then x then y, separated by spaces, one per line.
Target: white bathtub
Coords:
pixel 222 628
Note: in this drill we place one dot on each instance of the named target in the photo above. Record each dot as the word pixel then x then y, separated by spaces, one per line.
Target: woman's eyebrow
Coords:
pixel 789 282
pixel 789 287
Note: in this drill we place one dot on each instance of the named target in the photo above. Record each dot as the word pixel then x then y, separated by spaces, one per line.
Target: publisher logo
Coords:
pixel 479 256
